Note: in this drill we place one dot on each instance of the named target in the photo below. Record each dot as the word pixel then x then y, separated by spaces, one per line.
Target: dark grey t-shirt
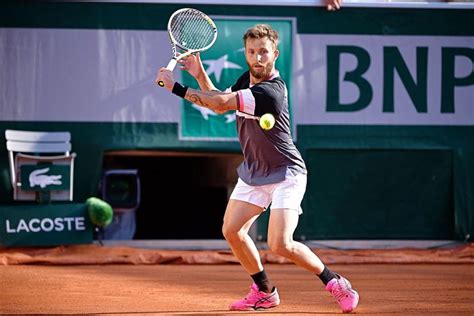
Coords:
pixel 267 154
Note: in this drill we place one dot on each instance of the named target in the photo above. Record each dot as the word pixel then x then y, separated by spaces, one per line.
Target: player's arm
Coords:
pixel 219 102
pixel 193 65
pixel 205 83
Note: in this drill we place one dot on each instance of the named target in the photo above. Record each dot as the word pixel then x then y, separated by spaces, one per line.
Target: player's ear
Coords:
pixel 277 53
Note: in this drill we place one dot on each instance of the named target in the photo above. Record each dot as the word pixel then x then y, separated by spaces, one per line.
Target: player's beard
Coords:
pixel 263 74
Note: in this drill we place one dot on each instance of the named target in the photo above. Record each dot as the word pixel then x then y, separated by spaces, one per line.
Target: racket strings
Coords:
pixel 192 30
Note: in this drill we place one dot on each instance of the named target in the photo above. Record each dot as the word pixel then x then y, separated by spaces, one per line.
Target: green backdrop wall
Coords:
pixel 366 181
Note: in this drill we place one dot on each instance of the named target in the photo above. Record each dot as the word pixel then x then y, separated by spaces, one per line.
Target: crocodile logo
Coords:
pixel 38 177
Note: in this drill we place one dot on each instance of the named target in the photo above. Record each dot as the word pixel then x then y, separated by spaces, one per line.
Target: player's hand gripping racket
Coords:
pixel 190 31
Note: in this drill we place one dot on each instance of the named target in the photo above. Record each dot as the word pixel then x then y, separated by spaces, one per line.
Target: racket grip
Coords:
pixel 172 64
pixel 170 67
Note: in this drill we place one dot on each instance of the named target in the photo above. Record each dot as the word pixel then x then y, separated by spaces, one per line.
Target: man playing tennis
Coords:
pixel 273 170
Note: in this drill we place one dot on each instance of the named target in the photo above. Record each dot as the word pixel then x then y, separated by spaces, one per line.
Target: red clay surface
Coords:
pixel 187 289
pixel 95 254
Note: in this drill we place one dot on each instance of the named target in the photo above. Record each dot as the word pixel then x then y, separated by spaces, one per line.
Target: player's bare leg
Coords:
pixel 280 240
pixel 282 225
pixel 238 218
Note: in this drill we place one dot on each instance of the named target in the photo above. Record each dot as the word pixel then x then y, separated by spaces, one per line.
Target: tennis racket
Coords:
pixel 190 31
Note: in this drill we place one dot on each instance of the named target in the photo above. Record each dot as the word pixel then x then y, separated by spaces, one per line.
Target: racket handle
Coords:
pixel 172 64
pixel 170 67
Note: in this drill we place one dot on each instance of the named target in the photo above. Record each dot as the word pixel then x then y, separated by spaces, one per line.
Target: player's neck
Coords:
pixel 253 81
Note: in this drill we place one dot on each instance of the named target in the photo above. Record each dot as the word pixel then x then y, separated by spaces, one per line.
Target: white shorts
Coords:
pixel 286 194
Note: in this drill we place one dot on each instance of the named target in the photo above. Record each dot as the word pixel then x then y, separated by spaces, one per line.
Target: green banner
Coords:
pixel 45 225
pixel 224 63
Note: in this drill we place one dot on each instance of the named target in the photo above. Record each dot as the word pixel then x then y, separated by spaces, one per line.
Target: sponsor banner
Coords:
pixel 93 76
pixel 384 80
pixel 224 63
pixel 45 225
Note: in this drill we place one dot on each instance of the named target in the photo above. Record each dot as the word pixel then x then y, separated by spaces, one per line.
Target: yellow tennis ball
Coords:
pixel 267 121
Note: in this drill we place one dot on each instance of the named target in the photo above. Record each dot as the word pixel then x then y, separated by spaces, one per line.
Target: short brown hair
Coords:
pixel 261 31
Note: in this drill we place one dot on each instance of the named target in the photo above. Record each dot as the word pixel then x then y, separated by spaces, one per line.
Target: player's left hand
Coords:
pixel 167 77
pixel 333 5
pixel 192 64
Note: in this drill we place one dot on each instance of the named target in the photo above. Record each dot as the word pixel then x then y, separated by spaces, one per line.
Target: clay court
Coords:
pixel 373 116
pixel 123 281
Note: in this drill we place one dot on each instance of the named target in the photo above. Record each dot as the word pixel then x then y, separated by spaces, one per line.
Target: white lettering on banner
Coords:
pixel 80 225
pixel 9 230
pixel 58 223
pixel 69 221
pixel 32 228
pixel 47 225
pixel 384 80
pixel 22 226
pixel 36 225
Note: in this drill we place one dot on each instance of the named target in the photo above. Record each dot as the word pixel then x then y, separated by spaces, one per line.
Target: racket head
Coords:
pixel 191 30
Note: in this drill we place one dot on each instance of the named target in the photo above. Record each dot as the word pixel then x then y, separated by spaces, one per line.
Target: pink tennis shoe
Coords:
pixel 256 300
pixel 341 289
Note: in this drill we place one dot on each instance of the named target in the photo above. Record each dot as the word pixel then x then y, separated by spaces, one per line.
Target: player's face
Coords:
pixel 260 55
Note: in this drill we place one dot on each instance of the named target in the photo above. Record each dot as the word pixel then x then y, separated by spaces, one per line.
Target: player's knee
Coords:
pixel 225 231
pixel 230 233
pixel 279 246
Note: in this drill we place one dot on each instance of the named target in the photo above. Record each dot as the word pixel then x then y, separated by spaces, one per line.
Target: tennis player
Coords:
pixel 273 170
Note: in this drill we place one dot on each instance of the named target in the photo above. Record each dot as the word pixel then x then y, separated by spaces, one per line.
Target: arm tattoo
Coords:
pixel 204 99
pixel 194 98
